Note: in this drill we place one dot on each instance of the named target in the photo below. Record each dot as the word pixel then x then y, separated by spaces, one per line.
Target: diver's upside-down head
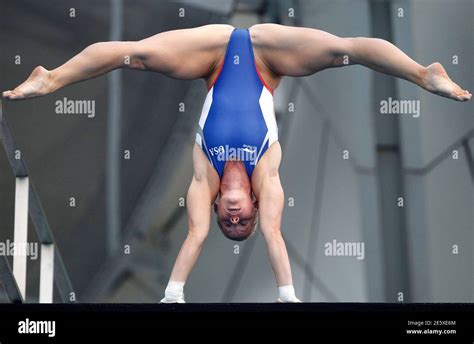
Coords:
pixel 236 207
pixel 237 222
pixel 238 225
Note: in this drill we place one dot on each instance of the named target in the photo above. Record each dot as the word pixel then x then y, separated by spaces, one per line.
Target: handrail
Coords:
pixel 40 222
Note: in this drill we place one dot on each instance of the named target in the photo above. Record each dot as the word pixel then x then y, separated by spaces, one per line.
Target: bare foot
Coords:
pixel 38 84
pixel 436 80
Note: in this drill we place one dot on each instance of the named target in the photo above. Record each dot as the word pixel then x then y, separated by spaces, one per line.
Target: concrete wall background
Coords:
pixel 439 188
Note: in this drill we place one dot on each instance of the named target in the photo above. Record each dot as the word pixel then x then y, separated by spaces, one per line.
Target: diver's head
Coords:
pixel 236 207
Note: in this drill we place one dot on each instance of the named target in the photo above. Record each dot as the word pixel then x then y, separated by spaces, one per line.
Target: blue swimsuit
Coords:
pixel 238 119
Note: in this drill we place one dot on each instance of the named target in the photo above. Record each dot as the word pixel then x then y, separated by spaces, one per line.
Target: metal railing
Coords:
pixel 52 269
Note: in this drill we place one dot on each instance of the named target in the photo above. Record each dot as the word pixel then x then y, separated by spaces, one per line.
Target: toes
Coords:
pixel 11 95
pixel 458 91
pixel 7 94
pixel 464 97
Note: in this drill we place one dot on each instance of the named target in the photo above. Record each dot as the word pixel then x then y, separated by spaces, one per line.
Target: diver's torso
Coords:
pixel 237 120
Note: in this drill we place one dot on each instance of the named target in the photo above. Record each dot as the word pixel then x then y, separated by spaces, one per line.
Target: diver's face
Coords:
pixel 236 214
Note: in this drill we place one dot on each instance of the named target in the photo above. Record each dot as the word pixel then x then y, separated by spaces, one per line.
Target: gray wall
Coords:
pixel 439 188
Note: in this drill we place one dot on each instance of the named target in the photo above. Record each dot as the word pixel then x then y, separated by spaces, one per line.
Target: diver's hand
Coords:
pixel 287 294
pixel 289 300
pixel 173 300
pixel 174 293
